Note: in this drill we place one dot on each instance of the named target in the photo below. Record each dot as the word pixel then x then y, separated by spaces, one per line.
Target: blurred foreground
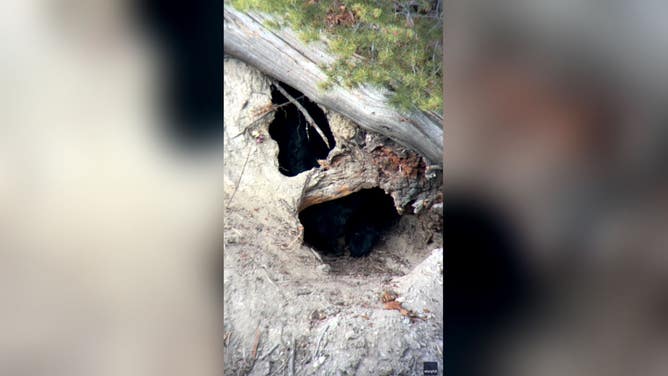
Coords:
pixel 555 144
pixel 110 220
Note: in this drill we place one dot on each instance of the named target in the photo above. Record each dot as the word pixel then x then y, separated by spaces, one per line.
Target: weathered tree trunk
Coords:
pixel 283 56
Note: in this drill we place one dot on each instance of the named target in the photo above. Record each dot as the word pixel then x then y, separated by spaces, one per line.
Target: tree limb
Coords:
pixel 282 55
pixel 308 117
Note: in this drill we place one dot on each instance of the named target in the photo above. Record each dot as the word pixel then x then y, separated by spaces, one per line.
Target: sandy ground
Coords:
pixel 326 318
pixel 289 311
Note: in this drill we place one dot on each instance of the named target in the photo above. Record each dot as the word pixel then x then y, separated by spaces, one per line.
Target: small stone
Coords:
pixel 232 239
pixel 325 268
pixel 318 362
pixel 318 315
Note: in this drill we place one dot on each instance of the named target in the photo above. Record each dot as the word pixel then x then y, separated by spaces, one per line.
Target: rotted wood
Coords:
pixel 342 174
pixel 378 163
pixel 282 55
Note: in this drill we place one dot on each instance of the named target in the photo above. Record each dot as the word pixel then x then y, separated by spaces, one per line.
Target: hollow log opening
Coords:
pixel 354 223
pixel 300 145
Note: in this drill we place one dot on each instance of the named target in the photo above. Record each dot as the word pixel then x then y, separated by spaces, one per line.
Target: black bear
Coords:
pixel 354 223
pixel 300 146
pixel 360 240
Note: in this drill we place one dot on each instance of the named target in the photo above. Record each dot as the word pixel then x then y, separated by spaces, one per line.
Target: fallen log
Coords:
pixel 281 54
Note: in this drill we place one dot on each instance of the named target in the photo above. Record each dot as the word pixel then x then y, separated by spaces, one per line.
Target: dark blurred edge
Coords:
pixel 190 33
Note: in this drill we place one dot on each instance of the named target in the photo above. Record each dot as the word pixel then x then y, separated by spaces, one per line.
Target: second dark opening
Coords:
pixel 300 146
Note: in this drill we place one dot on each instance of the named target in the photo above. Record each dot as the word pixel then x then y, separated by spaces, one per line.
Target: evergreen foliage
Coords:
pixel 388 43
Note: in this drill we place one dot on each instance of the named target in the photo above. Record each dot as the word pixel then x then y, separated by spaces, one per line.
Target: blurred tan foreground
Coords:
pixel 555 113
pixel 108 235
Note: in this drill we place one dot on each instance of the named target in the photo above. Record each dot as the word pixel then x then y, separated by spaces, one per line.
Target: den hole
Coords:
pixel 352 224
pixel 300 145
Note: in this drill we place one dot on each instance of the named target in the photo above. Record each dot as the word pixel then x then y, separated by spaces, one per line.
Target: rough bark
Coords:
pixel 282 55
pixel 398 171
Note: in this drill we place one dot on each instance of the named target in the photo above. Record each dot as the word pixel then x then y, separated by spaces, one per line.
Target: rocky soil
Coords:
pixel 292 311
